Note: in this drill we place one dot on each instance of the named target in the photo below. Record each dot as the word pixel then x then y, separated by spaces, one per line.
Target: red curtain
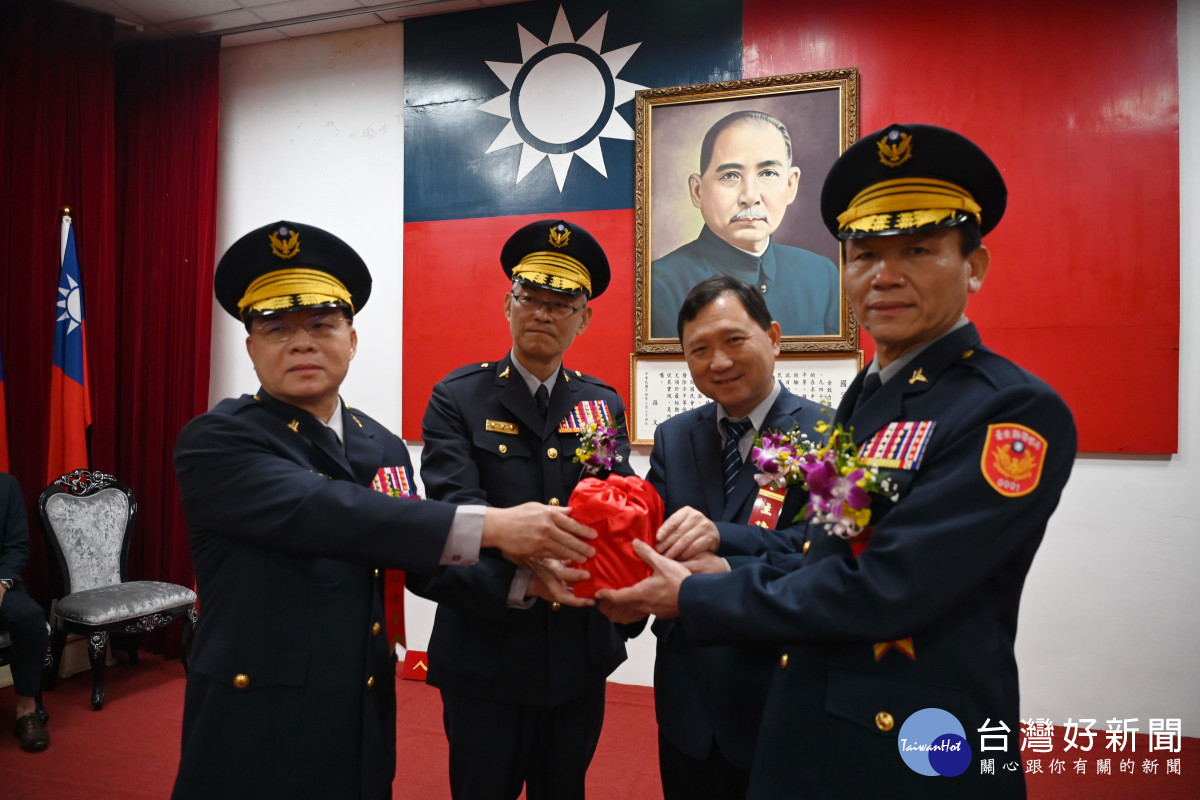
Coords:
pixel 56 149
pixel 167 104
pixel 128 139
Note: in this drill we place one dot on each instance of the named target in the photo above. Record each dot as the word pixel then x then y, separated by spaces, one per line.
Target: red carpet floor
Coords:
pixel 130 749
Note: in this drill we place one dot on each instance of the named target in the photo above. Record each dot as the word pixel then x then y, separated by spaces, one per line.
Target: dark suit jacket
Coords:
pixel 945 565
pixel 802 289
pixel 287 538
pixel 14 533
pixel 479 646
pixel 702 693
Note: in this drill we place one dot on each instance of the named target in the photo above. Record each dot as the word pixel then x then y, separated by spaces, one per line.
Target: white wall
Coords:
pixel 311 129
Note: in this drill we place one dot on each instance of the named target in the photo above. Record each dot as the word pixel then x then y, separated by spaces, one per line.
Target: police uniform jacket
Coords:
pixel 717 692
pixel 291 687
pixel 802 289
pixel 486 443
pixel 944 565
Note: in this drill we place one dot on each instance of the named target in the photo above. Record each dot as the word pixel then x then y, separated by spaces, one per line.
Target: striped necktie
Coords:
pixel 731 458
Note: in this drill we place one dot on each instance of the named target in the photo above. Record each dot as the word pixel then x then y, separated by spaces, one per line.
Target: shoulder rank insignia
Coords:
pixel 901 445
pixel 500 427
pixel 585 413
pixel 918 376
pixel 393 481
pixel 1012 459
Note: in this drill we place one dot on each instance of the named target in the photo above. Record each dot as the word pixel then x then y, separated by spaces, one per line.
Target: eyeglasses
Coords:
pixel 555 308
pixel 319 326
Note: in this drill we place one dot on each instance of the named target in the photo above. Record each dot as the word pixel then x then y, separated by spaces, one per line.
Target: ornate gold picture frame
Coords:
pixel 687 214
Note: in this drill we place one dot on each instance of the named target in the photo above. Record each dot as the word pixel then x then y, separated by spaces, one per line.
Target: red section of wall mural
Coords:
pixel 1079 109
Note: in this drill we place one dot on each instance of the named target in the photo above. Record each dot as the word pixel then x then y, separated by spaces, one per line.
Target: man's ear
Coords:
pixel 793 179
pixel 694 188
pixel 978 263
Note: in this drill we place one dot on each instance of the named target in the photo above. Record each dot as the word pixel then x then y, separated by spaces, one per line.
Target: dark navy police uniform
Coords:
pixel 291 686
pixel 291 689
pixel 482 653
pixel 925 616
pixel 522 680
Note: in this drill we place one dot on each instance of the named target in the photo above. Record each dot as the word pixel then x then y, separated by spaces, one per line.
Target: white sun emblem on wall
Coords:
pixel 562 98
pixel 71 303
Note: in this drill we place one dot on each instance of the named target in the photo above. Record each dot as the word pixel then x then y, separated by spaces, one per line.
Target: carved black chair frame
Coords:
pixel 84 483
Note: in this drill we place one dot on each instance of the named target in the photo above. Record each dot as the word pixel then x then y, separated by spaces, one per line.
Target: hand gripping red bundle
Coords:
pixel 620 509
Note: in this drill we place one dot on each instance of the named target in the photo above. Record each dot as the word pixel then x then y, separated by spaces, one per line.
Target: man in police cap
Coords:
pixel 522 675
pixel 897 657
pixel 291 690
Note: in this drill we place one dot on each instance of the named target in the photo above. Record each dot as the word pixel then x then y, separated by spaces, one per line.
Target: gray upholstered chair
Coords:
pixel 87 518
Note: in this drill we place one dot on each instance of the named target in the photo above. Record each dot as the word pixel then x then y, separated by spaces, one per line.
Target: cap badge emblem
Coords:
pixel 895 148
pixel 285 243
pixel 559 235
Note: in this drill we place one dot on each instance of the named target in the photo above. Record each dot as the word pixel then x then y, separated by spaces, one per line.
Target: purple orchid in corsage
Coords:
pixel 597 449
pixel 777 456
pixel 840 484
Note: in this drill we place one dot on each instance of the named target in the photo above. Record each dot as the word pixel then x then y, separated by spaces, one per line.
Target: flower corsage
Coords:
pixel 597 449
pixel 840 484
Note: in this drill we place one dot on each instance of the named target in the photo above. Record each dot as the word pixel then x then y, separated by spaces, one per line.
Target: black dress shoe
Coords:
pixel 32 734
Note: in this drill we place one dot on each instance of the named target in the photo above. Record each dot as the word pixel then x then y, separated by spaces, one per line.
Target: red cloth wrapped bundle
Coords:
pixel 620 509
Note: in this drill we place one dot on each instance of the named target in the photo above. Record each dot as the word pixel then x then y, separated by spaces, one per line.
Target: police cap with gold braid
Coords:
pixel 556 254
pixel 288 265
pixel 907 178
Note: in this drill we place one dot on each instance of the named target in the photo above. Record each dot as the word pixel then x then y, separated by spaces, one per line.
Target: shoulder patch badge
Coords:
pixel 585 413
pixel 1012 459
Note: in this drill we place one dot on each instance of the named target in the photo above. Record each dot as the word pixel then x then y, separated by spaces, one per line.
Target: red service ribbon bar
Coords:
pixel 767 506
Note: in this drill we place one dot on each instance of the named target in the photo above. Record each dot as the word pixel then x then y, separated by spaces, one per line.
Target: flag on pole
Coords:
pixel 3 424
pixel 70 405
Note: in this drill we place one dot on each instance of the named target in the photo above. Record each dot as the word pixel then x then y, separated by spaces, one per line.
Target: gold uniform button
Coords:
pixel 552 452
pixel 884 721
pixel 554 501
pixel 503 448
pixel 783 661
pixel 241 680
pixel 375 629
pixel 371 682
pixel 376 573
pixel 556 606
pixel 806 546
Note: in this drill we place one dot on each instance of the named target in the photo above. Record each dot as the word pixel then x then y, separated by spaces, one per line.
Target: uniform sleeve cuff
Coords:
pixel 466 535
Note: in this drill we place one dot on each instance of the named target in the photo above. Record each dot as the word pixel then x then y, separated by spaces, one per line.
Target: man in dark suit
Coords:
pixel 291 690
pixel 522 675
pixel 23 618
pixel 745 184
pixel 709 700
pixel 914 619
